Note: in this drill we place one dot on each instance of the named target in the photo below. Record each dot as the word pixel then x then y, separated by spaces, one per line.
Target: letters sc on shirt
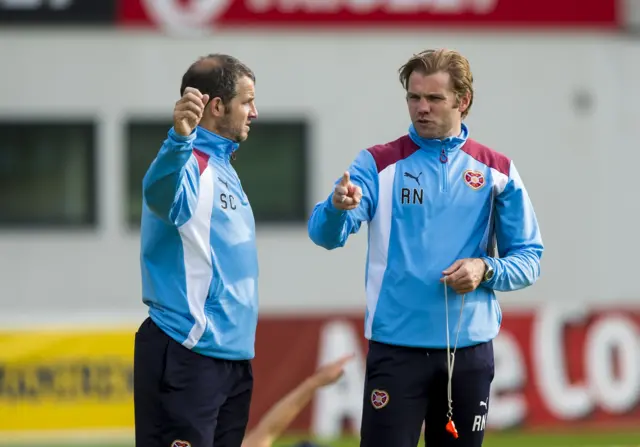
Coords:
pixel 227 201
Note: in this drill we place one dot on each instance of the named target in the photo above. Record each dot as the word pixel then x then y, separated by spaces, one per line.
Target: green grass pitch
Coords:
pixel 492 439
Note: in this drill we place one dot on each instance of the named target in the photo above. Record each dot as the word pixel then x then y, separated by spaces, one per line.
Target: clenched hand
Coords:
pixel 465 275
pixel 189 111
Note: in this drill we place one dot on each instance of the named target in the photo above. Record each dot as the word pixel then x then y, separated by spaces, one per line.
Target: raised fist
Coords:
pixel 189 111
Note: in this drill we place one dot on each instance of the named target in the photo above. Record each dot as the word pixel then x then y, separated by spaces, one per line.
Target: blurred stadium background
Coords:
pixel 86 93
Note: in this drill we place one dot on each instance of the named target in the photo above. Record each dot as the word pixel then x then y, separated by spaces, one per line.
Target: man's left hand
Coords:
pixel 465 275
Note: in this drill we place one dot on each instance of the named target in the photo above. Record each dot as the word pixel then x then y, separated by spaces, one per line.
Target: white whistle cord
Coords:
pixel 451 356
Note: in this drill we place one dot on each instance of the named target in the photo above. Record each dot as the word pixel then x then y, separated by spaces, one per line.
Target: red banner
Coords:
pixel 192 15
pixel 556 367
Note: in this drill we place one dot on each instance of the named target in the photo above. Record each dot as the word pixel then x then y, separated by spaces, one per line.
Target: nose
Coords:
pixel 253 112
pixel 424 106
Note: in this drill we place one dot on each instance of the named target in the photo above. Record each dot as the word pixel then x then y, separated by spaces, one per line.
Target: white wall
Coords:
pixel 579 166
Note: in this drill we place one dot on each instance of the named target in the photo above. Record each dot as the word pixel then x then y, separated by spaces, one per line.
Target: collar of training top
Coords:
pixel 213 144
pixel 449 143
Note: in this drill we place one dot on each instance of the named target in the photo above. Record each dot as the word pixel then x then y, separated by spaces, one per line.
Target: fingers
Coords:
pixel 191 101
pixel 456 279
pixel 191 117
pixel 189 110
pixel 192 91
pixel 191 94
pixel 353 199
pixel 357 194
pixel 186 121
pixel 341 190
pixel 346 195
pixel 460 279
pixel 195 107
pixel 347 358
pixel 344 202
pixel 344 359
pixel 461 288
pixel 461 285
pixel 340 194
pixel 453 267
pixel 332 371
pixel 457 275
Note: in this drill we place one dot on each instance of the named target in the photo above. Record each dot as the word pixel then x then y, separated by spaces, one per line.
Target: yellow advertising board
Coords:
pixel 66 380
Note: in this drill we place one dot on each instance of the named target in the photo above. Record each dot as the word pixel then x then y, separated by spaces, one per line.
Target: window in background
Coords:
pixel 271 164
pixel 47 174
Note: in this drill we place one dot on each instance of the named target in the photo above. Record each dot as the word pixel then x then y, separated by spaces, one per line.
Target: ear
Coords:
pixel 216 107
pixel 464 101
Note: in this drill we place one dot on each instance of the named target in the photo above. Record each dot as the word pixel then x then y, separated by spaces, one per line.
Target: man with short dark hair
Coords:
pixel 192 373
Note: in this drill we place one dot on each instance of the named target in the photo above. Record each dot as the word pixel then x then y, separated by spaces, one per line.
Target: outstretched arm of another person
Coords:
pixel 278 418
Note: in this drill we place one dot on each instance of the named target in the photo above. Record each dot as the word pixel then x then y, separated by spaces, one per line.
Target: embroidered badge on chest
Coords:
pixel 474 179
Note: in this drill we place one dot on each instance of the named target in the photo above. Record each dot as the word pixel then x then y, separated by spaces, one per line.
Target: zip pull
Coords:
pixel 443 156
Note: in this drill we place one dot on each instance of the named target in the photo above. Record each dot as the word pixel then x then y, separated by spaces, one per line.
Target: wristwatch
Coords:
pixel 488 272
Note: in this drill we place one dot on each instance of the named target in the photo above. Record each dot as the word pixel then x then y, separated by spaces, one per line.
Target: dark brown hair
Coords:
pixel 216 75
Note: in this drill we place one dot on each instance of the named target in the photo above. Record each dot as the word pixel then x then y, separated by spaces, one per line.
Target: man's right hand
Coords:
pixel 189 111
pixel 346 195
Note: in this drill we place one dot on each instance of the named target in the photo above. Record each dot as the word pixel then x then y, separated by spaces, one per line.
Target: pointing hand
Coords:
pixel 346 195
